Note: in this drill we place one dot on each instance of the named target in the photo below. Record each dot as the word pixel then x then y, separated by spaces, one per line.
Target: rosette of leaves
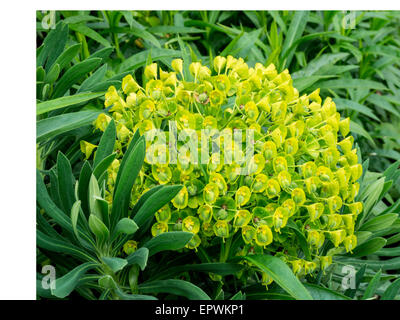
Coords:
pixel 99 249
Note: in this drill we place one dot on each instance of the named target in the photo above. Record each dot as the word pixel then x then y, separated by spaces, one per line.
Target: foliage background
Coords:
pixel 352 56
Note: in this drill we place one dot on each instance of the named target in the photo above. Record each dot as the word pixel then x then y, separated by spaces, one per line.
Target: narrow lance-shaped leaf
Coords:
pixel 106 144
pixel 67 283
pixel 129 173
pixel 281 274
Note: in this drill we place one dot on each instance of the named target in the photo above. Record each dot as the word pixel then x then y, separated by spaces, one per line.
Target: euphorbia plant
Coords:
pixel 97 249
pixel 296 197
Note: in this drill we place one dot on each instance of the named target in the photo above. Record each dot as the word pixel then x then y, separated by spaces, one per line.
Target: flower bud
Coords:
pixel 177 65
pixel 129 84
pixel 350 242
pixel 219 63
pixel 150 71
pixel 337 237
pixel 87 148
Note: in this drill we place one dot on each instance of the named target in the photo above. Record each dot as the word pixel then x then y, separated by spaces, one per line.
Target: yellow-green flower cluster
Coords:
pixel 303 174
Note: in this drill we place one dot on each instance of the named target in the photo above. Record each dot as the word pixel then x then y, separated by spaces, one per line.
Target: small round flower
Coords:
pixel 248 234
pixel 194 242
pixel 284 179
pixel 210 193
pixel 221 229
pixel 280 218
pixel 298 196
pixel 269 150
pixel 315 210
pixel 130 247
pixel 259 183
pixel 242 195
pixel 191 224
pixel 280 164
pixel 164 214
pixel 242 218
pixel 263 236
pixel 205 212
pixel 181 199
pixel 273 188
pixel 158 228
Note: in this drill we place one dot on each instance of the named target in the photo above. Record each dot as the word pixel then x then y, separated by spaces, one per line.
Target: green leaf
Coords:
pixel 94 80
pixel 321 293
pixel 53 74
pixel 47 204
pixel 176 287
pixel 125 226
pixel 114 263
pixel 155 202
pixel 102 53
pixel 66 182
pixel 173 240
pixel 294 32
pixel 139 257
pixel 316 64
pixel 94 193
pixel 74 218
pixel 281 274
pixel 391 291
pixel 144 198
pixel 53 46
pixel 352 84
pixel 343 104
pixel 380 222
pixel 90 33
pixel 63 102
pixel 54 126
pixel 368 247
pixel 66 57
pixel 174 29
pixel 390 264
pixel 372 286
pixel 129 173
pixel 302 240
pixel 55 245
pixel 126 296
pixel 220 268
pixel 67 283
pixel 103 166
pixel 356 128
pixel 106 144
pixel 99 229
pixel 83 186
pixel 139 59
pixel 74 74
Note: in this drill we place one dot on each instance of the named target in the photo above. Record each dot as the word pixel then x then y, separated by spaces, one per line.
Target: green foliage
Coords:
pixel 102 251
